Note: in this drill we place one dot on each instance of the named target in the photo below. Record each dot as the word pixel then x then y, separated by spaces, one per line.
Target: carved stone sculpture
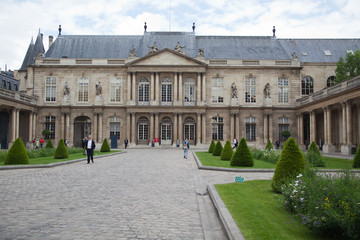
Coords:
pixel 132 53
pixel 200 52
pixel 98 89
pixel 233 91
pixel 66 89
pixel 179 48
pixel 293 56
pixel 267 90
pixel 152 49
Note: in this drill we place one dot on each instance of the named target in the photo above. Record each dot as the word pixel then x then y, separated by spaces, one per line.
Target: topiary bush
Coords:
pixel 105 146
pixel 257 153
pixel 314 159
pixel 269 145
pixel 227 151
pixel 290 164
pixel 212 146
pixel 17 154
pixel 356 163
pixel 61 150
pixel 242 156
pixel 218 148
pixel 49 144
pixel 314 148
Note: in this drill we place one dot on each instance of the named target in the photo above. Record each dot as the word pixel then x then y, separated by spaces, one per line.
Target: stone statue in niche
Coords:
pixel 267 90
pixel 233 91
pixel 66 89
pixel 200 52
pixel 179 48
pixel 153 49
pixel 98 89
pixel 293 56
pixel 132 53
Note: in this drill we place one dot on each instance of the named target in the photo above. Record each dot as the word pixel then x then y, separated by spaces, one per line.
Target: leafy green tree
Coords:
pixel 242 156
pixel 269 145
pixel 290 164
pixel 227 151
pixel 356 163
pixel 61 150
pixel 218 148
pixel 348 68
pixel 49 144
pixel 45 133
pixel 105 146
pixel 212 146
pixel 286 134
pixel 17 154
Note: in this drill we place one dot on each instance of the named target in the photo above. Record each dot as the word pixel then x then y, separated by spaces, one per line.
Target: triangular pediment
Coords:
pixel 166 57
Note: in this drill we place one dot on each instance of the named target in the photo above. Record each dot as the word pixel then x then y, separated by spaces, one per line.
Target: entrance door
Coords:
pixel 4 130
pixel 166 133
pixel 82 129
pixel 189 132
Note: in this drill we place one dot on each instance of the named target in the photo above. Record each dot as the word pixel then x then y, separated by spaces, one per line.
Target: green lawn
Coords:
pixel 259 212
pixel 48 160
pixel 207 159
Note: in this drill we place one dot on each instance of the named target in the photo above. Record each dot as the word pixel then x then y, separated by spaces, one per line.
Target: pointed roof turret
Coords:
pixel 33 51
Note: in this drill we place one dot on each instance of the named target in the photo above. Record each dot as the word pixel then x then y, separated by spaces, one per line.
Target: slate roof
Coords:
pixel 32 52
pixel 215 47
pixel 9 80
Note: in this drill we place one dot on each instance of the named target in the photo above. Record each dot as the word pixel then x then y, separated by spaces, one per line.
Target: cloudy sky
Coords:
pixel 21 19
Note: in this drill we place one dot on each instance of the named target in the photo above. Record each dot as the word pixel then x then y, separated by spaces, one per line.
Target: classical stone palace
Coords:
pixel 164 86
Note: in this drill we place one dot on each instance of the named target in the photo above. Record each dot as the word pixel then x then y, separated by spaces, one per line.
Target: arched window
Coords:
pixel 307 85
pixel 250 128
pixel 50 125
pixel 166 91
pixel 143 90
pixel 115 126
pixel 189 90
pixel 283 126
pixel 143 128
pixel 330 81
pixel 189 128
pixel 217 128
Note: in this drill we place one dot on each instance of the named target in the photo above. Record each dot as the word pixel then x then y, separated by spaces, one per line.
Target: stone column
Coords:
pixel 13 124
pixel 67 130
pixel 133 129
pixel 94 130
pixel 343 104
pixel 100 138
pixel 237 127
pixel 301 121
pixel 271 137
pixel 349 123
pixel 157 88
pixel 181 98
pixel 30 126
pixel 198 129
pixel 198 89
pixel 151 128
pixel 266 129
pixel 175 92
pixel 157 128
pixel 62 127
pixel 203 140
pixel 175 129
pixel 133 88
pixel 232 119
pixel 312 126
pixel 325 125
pixel 128 126
pixel 329 132
pixel 181 132
pixel 204 87
pixel 17 122
pixel 152 92
pixel 128 97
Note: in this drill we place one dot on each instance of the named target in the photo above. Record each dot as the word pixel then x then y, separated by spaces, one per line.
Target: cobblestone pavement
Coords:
pixel 142 194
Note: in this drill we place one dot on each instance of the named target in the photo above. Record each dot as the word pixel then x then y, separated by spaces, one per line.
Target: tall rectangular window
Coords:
pixel 283 126
pixel 217 128
pixel 189 90
pixel 50 89
pixel 250 131
pixel 166 90
pixel 283 93
pixel 115 126
pixel 115 90
pixel 50 125
pixel 143 131
pixel 217 85
pixel 83 89
pixel 250 90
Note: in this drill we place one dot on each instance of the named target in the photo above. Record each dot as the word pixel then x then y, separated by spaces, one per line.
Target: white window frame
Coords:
pixel 250 90
pixel 307 85
pixel 115 126
pixel 143 91
pixel 283 93
pixel 217 84
pixel 115 89
pixel 250 129
pixel 284 125
pixel 166 91
pixel 50 89
pixel 189 91
pixel 83 89
pixel 217 128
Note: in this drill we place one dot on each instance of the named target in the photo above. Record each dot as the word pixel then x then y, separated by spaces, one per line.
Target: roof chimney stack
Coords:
pixel 51 38
pixel 59 30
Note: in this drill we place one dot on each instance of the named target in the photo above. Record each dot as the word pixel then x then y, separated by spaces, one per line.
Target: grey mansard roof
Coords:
pixel 215 47
pixel 32 52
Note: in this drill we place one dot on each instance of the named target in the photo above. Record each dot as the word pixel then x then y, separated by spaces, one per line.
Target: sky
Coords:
pixel 20 20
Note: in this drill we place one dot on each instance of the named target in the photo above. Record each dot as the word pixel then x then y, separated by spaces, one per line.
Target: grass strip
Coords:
pixel 259 213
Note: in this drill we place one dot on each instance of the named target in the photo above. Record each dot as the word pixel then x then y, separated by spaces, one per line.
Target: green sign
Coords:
pixel 239 179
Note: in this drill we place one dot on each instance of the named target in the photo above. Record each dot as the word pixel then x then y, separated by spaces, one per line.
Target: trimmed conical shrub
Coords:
pixel 49 144
pixel 313 156
pixel 61 150
pixel 314 148
pixel 17 154
pixel 290 164
pixel 242 156
pixel 212 146
pixel 269 145
pixel 105 146
pixel 218 148
pixel 227 151
pixel 356 163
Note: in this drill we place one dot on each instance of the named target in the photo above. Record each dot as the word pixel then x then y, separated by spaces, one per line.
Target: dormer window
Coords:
pixel 304 53
pixel 327 52
pixel 350 51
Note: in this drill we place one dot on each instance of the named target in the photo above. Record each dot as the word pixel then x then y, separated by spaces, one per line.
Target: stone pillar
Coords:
pixel 325 125
pixel 151 128
pixel 198 89
pixel 203 125
pixel 347 128
pixel 271 137
pixel 128 126
pixel 181 132
pixel 31 116
pixel 198 129
pixel 17 122
pixel 343 104
pixel 133 88
pixel 133 129
pixel 175 129
pixel 62 127
pixel 312 126
pixel 157 128
pixel 266 129
pixel 232 119
pixel 329 123
pixel 176 90
pixel 128 97
pixel 152 91
pixel 157 88
pixel 301 126
pixel 328 146
pixel 181 98
pixel 204 87
pixel 349 123
pixel 100 138
pixel 67 129
pixel 94 130
pixel 237 127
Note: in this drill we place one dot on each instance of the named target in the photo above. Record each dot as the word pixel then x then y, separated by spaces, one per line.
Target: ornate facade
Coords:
pixel 164 86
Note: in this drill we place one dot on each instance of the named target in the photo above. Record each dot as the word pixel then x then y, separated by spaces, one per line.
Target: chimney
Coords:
pixel 51 38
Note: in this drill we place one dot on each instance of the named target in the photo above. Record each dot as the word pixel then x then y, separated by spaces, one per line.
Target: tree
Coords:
pixel 49 144
pixel 242 156
pixel 286 134
pixel 17 154
pixel 212 146
pixel 348 68
pixel 227 151
pixel 46 133
pixel 218 148
pixel 61 150
pixel 105 146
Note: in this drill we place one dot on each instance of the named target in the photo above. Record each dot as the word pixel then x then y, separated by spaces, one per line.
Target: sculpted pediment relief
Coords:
pixel 166 57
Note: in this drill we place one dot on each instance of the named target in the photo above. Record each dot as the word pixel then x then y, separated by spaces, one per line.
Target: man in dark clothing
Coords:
pixel 90 146
pixel 126 141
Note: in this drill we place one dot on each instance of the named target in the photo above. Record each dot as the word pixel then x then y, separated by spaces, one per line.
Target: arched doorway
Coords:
pixel 82 129
pixel 166 130
pixel 143 131
pixel 4 130
pixel 189 130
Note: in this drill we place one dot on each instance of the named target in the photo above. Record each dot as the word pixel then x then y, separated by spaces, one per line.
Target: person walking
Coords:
pixel 235 143
pixel 37 143
pixel 186 147
pixel 90 146
pixel 126 141
pixel 41 142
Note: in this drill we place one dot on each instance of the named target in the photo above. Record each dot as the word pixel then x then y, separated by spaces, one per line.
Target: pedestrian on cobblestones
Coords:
pixel 90 146
pixel 126 141
pixel 186 148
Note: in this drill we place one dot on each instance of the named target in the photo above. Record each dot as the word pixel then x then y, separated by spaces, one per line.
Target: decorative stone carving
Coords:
pixel 153 49
pixel 200 53
pixel 293 56
pixel 98 89
pixel 267 90
pixel 233 91
pixel 179 48
pixel 66 89
pixel 132 53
